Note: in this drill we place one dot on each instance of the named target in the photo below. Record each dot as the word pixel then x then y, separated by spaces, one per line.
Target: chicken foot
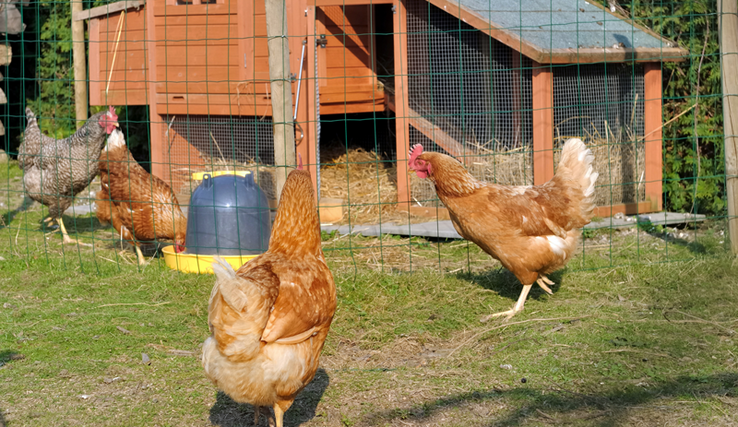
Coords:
pixel 140 256
pixel 516 309
pixel 542 281
pixel 63 229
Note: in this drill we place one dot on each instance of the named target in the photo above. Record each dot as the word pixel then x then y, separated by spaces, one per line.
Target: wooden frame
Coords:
pixel 402 109
pixel 653 135
pixel 543 118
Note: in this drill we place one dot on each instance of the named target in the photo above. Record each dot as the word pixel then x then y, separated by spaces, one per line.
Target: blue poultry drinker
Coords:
pixel 228 215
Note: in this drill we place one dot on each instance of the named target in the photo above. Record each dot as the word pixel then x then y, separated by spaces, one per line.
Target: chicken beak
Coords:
pixel 410 171
pixel 116 124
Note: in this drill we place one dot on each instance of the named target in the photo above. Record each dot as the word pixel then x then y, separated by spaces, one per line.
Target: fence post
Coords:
pixel 281 87
pixel 80 66
pixel 728 24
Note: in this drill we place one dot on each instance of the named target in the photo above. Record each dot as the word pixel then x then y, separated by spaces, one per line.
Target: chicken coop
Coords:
pixel 500 85
pixel 202 67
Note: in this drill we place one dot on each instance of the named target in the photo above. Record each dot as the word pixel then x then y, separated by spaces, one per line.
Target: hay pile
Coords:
pixel 365 182
pixel 621 165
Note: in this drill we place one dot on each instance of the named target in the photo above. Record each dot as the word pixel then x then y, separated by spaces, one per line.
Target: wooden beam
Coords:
pixel 402 125
pixel 108 9
pixel 158 146
pixel 279 74
pixel 435 134
pixel 323 3
pixel 80 66
pixel 653 128
pixel 543 117
pixel 309 81
pixel 728 24
pixel 97 85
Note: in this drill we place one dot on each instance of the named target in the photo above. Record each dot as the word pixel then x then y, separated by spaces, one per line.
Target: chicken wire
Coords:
pixel 202 143
pixel 603 104
pixel 472 88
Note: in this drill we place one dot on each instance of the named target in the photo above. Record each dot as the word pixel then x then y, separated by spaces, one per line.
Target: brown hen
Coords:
pixel 533 230
pixel 269 320
pixel 140 206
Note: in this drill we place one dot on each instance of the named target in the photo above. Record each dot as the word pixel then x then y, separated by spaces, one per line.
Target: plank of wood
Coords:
pixel 652 121
pixel 543 117
pixel 123 96
pixel 108 9
pixel 435 134
pixel 163 9
pixel 402 125
pixel 728 24
pixel 135 20
pixel 352 108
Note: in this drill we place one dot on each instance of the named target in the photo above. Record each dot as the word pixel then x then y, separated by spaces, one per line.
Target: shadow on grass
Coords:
pixel 7 217
pixel 556 405
pixel 695 247
pixel 502 281
pixel 227 413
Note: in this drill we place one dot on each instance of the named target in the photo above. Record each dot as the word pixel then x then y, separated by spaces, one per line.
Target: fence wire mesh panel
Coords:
pixel 499 86
pixel 448 254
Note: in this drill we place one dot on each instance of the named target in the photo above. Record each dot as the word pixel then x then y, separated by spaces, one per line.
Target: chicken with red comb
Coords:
pixel 532 230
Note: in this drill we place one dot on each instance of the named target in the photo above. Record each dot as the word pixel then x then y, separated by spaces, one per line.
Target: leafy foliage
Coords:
pixel 694 163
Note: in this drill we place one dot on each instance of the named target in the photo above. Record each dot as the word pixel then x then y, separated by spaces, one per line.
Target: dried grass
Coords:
pixel 366 183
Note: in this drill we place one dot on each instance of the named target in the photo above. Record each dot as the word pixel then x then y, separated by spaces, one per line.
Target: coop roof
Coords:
pixel 563 31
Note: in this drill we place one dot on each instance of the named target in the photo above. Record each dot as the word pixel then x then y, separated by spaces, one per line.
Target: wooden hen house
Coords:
pixel 481 80
pixel 202 67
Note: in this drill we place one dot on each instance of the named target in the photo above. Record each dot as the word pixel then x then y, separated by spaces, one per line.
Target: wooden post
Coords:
pixel 156 127
pixel 543 117
pixel 80 66
pixel 402 126
pixel 652 122
pixel 728 24
pixel 281 87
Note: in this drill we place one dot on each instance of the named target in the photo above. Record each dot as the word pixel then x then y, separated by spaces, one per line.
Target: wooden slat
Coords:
pixel 122 96
pixel 108 9
pixel 652 127
pixel 156 127
pixel 543 114
pixel 435 134
pixel 95 59
pixel 402 125
pixel 180 56
pixel 162 9
pixel 602 211
pixel 214 109
pixel 325 3
pixel 197 74
pixel 352 108
pixel 170 22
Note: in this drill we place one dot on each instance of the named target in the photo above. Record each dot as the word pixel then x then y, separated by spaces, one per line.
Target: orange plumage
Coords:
pixel 269 320
pixel 140 206
pixel 531 230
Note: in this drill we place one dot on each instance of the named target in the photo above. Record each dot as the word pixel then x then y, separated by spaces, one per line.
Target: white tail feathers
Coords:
pixel 576 162
pixel 227 284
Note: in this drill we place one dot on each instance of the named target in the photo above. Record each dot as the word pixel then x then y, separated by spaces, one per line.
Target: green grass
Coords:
pixel 640 331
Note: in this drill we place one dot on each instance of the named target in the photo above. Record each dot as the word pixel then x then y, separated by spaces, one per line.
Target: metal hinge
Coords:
pixel 322 42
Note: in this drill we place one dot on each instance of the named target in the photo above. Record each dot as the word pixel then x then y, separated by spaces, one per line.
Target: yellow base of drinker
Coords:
pixel 194 263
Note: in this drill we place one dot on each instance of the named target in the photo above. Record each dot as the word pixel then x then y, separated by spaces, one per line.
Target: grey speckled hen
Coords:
pixel 54 170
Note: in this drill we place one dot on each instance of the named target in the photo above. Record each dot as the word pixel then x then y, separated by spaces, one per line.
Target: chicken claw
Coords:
pixel 542 281
pixel 515 310
pixel 68 239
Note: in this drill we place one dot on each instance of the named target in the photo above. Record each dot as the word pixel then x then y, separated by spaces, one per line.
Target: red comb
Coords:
pixel 299 162
pixel 414 153
pixel 111 110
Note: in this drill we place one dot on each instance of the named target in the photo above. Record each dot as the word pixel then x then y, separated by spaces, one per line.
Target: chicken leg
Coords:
pixel 516 309
pixel 139 255
pixel 63 230
pixel 279 409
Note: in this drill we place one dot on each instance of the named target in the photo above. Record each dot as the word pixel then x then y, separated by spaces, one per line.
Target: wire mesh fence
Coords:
pixel 500 86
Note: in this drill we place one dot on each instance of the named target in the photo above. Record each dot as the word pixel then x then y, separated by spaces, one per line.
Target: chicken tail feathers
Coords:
pixel 576 163
pixel 227 283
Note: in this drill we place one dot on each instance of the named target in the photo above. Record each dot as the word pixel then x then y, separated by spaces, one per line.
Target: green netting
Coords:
pixel 190 83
